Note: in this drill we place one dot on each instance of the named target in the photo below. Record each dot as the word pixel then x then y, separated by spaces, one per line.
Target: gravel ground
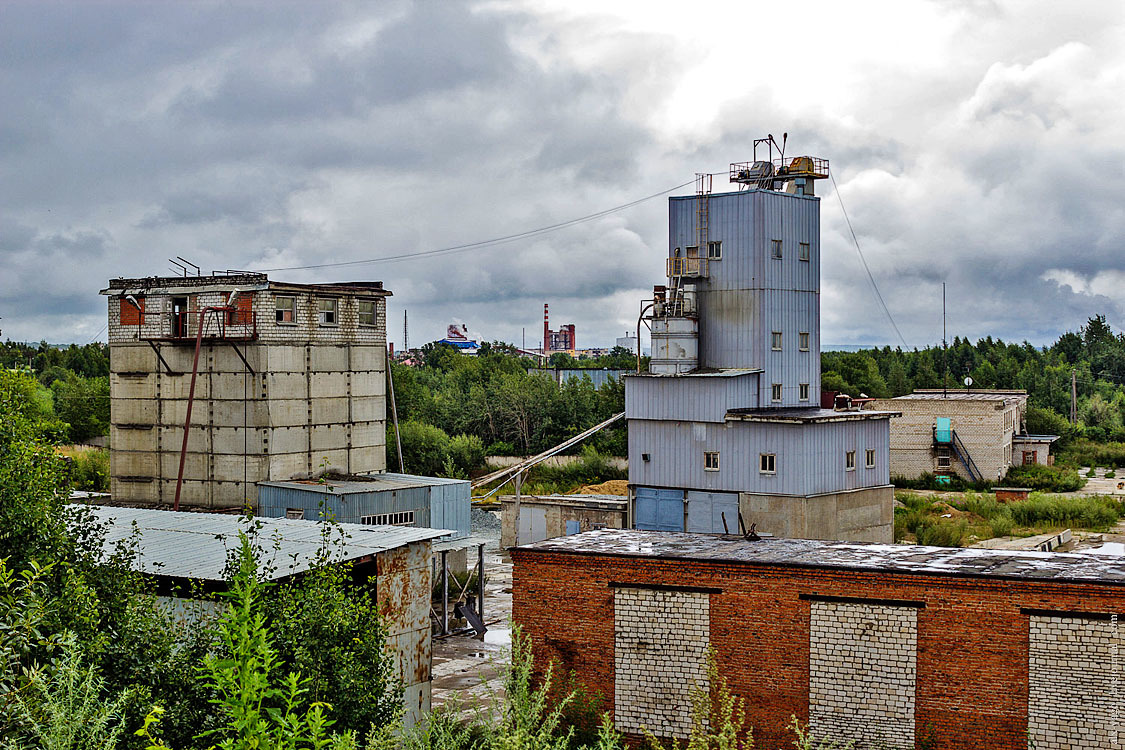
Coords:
pixel 485 522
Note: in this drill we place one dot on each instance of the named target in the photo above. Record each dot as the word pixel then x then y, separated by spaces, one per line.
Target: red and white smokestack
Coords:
pixel 546 330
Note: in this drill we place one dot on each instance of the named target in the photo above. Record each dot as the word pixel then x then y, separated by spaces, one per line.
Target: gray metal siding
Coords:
pixel 697 399
pixel 749 294
pixel 810 458
pixel 439 506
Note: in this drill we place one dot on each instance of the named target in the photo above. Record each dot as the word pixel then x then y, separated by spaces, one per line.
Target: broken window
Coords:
pixel 775 341
pixel 326 311
pixel 804 392
pixel 870 459
pixel 776 248
pixel 285 309
pixel 401 518
pixel 803 251
pixel 849 461
pixel 775 393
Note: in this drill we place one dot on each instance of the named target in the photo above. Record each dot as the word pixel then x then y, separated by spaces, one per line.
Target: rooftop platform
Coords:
pixel 1076 567
pixel 806 416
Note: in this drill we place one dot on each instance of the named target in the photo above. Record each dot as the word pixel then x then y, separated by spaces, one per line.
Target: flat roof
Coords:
pixel 803 416
pixel 246 281
pixel 360 483
pixel 937 394
pixel 615 501
pixel 1075 567
pixel 197 545
pixel 1034 438
pixel 733 372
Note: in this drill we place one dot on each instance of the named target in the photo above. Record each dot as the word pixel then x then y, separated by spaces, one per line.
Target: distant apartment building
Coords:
pixel 974 434
pixel 290 381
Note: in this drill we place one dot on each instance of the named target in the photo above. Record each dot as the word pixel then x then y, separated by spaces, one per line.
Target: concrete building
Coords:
pixel 546 516
pixel 291 381
pixel 728 421
pixel 886 646
pixel 976 435
pixel 562 340
pixel 186 555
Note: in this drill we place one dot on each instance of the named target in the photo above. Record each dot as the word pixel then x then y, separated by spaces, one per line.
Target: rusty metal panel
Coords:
pixel 403 587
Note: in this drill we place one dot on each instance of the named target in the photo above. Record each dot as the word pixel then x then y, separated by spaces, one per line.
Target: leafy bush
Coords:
pixel 1045 478
pixel 89 468
pixel 928 481
pixel 1001 525
pixel 591 468
pixel 1086 452
pixel 428 450
pixel 983 505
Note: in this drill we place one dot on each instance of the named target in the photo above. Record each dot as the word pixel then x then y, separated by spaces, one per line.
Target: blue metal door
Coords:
pixel 659 510
pixel 707 509
pixel 573 527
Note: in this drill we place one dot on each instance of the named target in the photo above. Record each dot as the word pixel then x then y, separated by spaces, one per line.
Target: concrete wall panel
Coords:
pixel 330 410
pixel 328 384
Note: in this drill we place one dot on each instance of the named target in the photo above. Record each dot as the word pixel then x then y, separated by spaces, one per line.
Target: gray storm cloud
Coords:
pixel 244 136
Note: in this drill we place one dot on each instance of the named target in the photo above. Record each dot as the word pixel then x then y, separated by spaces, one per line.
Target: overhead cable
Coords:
pixel 870 277
pixel 481 243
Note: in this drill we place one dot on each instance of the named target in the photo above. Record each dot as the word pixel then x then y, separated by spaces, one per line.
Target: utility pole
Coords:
pixel 405 344
pixel 1074 397
pixel 944 350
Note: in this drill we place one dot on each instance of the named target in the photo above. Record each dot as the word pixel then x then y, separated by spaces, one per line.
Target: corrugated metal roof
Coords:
pixel 882 558
pixel 735 372
pixel 366 483
pixel 198 545
pixel 955 395
pixel 807 415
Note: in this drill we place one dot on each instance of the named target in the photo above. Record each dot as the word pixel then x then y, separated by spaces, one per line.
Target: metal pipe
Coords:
pixel 394 411
pixel 191 399
pixel 519 484
pixel 639 319
pixel 444 592
pixel 480 582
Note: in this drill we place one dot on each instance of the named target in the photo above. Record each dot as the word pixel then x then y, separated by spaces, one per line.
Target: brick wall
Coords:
pixel 972 656
pixel 862 670
pixel 660 658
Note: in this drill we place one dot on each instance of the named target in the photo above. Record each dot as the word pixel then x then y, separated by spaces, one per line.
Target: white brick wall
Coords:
pixel 660 657
pixel 1074 697
pixel 862 671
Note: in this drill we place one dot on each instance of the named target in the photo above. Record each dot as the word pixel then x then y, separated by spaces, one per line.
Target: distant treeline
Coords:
pixel 492 398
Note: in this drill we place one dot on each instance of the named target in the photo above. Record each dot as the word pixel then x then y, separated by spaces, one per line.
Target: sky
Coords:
pixel 972 142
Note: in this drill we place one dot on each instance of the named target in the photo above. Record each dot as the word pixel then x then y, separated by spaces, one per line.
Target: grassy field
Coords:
pixel 960 520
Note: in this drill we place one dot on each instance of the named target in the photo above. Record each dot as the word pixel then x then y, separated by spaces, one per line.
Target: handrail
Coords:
pixel 966 459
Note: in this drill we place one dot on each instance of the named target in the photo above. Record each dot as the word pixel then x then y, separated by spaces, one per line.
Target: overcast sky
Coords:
pixel 973 142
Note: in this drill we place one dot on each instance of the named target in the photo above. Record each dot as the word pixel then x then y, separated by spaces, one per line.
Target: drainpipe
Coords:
pixel 639 319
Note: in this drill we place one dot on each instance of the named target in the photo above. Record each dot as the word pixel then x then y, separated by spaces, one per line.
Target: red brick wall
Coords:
pixel 972 681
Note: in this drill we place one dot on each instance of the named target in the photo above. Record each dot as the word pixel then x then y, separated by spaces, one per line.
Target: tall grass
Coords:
pixel 1092 512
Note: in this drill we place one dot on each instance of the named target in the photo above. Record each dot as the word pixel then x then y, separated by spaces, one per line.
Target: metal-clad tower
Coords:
pixel 727 423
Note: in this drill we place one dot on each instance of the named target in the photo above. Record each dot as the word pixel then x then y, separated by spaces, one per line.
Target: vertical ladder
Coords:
pixel 702 211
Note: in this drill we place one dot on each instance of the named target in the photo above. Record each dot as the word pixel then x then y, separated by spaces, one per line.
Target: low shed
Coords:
pixel 894 646
pixel 190 552
pixel 546 516
pixel 386 499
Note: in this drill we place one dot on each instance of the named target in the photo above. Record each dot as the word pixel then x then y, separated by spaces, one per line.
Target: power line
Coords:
pixel 482 243
pixel 870 277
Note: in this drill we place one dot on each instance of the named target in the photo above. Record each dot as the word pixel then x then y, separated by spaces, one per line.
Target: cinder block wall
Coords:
pixel 316 398
pixel 972 651
pixel 985 427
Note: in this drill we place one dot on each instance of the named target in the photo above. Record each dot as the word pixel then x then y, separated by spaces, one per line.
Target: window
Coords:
pixel 775 341
pixel 870 459
pixel 710 460
pixel 849 461
pixel 775 392
pixel 803 251
pixel 776 248
pixel 692 251
pixel 803 341
pixel 401 518
pixel 715 250
pixel 367 312
pixel 943 461
pixel 767 463
pixel 804 392
pixel 326 311
pixel 1029 458
pixel 295 514
pixel 132 314
pixel 285 310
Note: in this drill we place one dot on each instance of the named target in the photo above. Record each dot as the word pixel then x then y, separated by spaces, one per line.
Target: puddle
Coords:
pixel 498 636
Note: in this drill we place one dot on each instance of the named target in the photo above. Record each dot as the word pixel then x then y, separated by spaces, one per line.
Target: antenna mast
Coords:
pixel 944 349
